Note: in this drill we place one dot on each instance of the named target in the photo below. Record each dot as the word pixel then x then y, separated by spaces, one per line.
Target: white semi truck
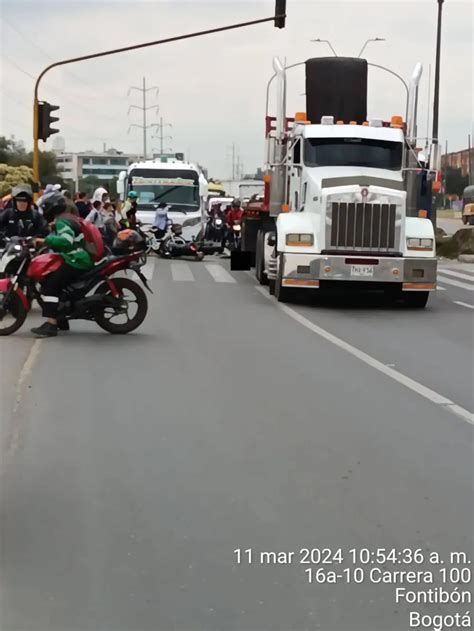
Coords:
pixel 180 184
pixel 340 193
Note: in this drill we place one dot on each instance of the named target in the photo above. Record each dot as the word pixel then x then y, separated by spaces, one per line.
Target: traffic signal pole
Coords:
pixel 278 19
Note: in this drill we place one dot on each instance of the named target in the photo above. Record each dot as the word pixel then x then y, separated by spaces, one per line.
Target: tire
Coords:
pixel 260 259
pixel 133 323
pixel 416 299
pixel 17 310
pixel 271 286
pixel 464 219
pixel 282 294
pixel 471 220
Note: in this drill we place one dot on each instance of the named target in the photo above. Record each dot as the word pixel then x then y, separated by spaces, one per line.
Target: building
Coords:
pixel 59 144
pixel 458 160
pixel 105 166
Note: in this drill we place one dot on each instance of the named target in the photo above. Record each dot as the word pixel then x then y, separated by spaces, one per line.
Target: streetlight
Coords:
pixel 372 39
pixel 436 78
pixel 325 41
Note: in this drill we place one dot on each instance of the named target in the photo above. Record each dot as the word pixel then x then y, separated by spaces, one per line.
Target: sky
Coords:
pixel 212 89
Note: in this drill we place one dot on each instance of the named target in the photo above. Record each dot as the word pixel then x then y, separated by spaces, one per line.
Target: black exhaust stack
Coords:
pixel 336 86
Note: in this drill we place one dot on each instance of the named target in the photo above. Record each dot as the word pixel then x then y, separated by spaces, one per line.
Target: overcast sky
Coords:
pixel 212 89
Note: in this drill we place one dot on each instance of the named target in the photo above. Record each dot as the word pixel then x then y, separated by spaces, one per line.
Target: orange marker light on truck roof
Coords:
pixel 353 123
pixel 285 208
pixel 423 214
pixel 267 179
pixel 396 122
pixel 340 123
pixel 301 117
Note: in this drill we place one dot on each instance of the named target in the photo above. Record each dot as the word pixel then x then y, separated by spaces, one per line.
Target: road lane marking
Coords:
pixel 450 272
pixel 455 283
pixel 181 271
pixel 417 387
pixel 439 288
pixel 219 274
pixel 148 269
pixel 463 304
pixel 14 436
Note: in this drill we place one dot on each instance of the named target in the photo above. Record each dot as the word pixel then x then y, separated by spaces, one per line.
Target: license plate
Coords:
pixel 366 271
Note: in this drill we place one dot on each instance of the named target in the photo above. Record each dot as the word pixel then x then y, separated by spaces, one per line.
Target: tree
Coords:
pixel 11 176
pixel 13 153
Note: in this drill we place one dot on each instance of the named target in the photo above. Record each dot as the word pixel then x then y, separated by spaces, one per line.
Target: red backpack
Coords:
pixel 93 242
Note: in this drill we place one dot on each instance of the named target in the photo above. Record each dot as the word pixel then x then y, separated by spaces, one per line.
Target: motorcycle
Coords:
pixel 110 302
pixel 174 245
pixel 234 237
pixel 215 229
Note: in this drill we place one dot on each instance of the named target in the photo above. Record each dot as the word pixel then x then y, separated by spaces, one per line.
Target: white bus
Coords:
pixel 180 184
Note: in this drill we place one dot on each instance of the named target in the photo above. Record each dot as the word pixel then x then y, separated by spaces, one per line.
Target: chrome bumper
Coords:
pixel 308 270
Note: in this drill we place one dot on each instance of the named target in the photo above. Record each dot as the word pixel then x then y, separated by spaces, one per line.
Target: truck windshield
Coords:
pixel 179 189
pixel 353 152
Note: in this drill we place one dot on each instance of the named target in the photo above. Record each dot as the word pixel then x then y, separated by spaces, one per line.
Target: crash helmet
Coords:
pixel 52 205
pixel 177 229
pixel 132 195
pixel 236 203
pixel 23 193
pixel 128 240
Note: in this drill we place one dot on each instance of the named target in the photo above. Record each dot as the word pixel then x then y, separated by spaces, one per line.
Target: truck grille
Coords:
pixel 363 226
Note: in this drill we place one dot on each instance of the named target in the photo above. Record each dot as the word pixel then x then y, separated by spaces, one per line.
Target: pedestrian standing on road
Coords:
pixel 110 226
pixel 95 216
pixel 83 205
pixel 71 206
pixel 161 222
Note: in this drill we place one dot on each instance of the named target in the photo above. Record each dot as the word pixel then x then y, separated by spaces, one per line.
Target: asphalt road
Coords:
pixel 132 468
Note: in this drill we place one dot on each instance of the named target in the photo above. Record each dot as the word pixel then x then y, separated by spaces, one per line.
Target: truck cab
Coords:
pixel 339 195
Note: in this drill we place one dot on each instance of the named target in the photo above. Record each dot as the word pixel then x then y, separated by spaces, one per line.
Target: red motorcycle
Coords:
pixel 118 305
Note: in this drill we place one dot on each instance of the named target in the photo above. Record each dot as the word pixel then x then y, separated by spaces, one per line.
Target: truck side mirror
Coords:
pixel 271 240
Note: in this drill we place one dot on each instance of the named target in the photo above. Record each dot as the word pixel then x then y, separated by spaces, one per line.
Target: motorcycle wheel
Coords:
pixel 125 286
pixel 12 315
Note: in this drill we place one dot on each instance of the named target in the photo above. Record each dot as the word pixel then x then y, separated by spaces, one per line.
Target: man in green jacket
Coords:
pixel 67 240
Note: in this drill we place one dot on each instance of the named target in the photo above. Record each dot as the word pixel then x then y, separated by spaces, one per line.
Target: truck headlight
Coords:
pixel 300 239
pixel 191 222
pixel 419 244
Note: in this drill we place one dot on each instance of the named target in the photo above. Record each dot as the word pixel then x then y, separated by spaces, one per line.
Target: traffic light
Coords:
pixel 280 13
pixel 45 120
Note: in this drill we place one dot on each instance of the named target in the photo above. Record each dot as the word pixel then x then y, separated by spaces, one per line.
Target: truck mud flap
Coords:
pixel 241 261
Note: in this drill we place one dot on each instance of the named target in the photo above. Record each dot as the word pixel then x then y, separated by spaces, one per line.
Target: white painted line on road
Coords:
pixel 455 283
pixel 219 274
pixel 181 271
pixel 429 394
pixel 439 288
pixel 148 269
pixel 463 304
pixel 450 272
pixel 13 439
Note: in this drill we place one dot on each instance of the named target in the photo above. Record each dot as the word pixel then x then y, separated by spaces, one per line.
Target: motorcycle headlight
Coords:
pixel 425 245
pixel 237 228
pixel 218 222
pixel 193 221
pixel 300 239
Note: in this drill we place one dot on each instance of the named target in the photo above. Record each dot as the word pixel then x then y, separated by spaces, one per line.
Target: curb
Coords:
pixel 466 258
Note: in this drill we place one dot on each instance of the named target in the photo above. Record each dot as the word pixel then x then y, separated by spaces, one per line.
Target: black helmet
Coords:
pixel 177 229
pixel 53 204
pixel 236 203
pixel 22 191
pixel 128 240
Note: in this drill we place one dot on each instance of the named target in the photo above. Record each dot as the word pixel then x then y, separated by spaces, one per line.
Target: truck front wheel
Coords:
pixel 416 299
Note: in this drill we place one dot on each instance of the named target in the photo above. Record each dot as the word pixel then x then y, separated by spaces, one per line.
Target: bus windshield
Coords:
pixel 179 188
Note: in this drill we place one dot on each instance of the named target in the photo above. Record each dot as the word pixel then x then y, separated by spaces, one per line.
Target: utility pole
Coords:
pixel 144 109
pixel 161 136
pixel 233 161
pixel 469 158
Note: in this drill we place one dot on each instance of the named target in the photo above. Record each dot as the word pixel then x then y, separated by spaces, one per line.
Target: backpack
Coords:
pixel 93 242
